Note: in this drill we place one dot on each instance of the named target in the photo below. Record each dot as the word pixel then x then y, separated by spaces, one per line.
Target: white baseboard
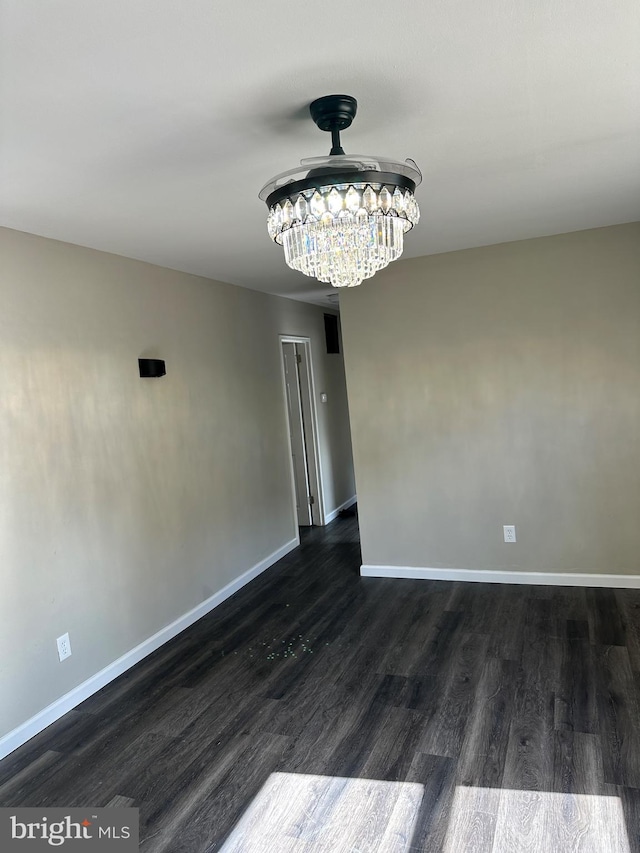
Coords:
pixel 335 512
pixel 490 576
pixel 96 682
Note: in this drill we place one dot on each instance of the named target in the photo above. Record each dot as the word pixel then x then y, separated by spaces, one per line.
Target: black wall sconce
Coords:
pixel 151 368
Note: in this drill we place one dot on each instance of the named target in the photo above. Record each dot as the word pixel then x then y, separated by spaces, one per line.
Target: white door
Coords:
pixel 292 360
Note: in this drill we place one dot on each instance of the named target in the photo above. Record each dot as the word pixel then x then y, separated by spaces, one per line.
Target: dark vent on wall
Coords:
pixel 331 333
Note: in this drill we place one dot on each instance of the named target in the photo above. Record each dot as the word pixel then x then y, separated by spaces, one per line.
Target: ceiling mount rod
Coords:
pixel 336 147
pixel 334 113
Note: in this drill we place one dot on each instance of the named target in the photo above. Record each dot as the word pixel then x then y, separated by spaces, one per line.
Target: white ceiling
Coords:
pixel 147 127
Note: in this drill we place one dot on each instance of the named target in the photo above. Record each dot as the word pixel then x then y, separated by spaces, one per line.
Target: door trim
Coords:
pixel 317 509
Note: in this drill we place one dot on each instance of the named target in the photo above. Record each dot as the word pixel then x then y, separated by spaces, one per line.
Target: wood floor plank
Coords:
pixel 506 636
pixel 575 704
pixel 44 741
pixel 437 777
pixel 530 751
pixel 421 609
pixel 577 764
pixel 353 750
pixel 569 602
pixel 473 820
pixel 119 802
pixel 618 713
pixel 630 801
pixel 539 822
pixel 395 746
pixel 16 786
pixel 628 601
pixel 480 607
pixel 482 757
pixel 605 621
pixel 445 729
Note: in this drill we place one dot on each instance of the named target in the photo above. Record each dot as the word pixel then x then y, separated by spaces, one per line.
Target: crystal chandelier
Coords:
pixel 341 218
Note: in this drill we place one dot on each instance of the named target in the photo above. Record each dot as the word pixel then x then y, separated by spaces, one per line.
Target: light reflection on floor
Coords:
pixel 295 812
pixel 495 820
pixel 299 812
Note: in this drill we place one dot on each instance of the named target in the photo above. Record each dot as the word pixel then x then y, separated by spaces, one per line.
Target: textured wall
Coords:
pixel 497 386
pixel 125 502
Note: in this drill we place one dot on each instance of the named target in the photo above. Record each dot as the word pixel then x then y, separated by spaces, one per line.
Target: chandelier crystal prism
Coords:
pixel 341 218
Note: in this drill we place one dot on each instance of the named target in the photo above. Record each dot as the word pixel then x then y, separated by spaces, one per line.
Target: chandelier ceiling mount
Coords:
pixel 334 113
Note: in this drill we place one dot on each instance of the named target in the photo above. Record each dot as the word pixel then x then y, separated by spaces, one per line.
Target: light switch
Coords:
pixel 323 398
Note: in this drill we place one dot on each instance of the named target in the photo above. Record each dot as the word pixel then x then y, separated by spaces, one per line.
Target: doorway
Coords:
pixel 301 416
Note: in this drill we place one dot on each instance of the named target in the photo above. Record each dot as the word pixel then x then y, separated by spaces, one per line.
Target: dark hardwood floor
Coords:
pixel 320 711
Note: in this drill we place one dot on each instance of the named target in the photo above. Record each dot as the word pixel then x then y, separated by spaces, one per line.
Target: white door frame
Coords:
pixel 298 410
pixel 311 434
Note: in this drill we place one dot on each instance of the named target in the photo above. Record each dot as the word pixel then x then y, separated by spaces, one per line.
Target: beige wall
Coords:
pixel 125 502
pixel 497 386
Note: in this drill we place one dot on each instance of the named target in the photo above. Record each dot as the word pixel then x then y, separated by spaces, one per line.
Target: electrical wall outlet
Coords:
pixel 64 646
pixel 509 532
